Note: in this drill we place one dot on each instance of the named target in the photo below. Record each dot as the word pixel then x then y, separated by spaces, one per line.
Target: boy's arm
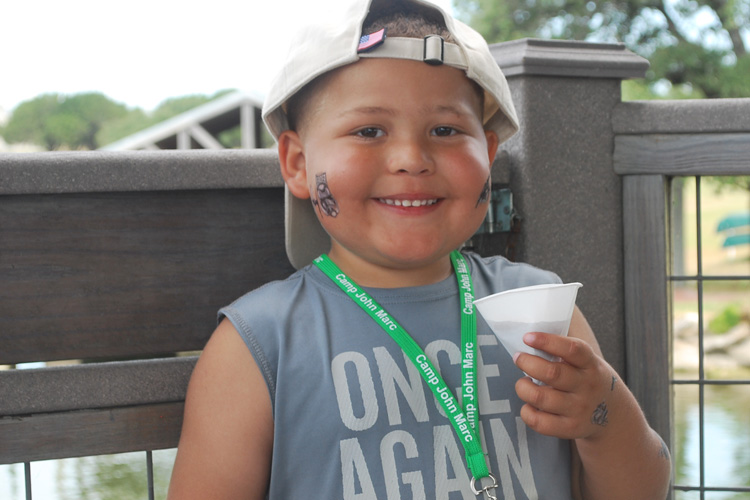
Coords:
pixel 227 433
pixel 584 400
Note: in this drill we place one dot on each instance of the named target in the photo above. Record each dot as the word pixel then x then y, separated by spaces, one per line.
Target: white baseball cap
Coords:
pixel 320 48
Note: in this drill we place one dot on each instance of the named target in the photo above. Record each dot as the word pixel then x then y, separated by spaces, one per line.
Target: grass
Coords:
pixel 716 261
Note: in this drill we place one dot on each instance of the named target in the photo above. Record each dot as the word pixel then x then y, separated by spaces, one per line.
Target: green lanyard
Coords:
pixel 464 420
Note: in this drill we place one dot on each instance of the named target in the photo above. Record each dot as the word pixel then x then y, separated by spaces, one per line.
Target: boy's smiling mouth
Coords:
pixel 407 202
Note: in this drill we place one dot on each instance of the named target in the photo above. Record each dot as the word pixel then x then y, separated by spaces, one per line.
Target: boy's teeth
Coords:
pixel 409 203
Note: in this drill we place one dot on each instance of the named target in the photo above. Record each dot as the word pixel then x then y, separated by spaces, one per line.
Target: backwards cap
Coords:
pixel 321 48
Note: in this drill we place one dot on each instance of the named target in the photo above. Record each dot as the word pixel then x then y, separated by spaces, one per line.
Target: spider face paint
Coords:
pixel 323 200
pixel 484 196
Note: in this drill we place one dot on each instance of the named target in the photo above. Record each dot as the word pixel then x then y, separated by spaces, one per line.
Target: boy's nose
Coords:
pixel 410 157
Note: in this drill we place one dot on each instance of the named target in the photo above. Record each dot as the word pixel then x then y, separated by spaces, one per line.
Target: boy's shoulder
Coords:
pixel 496 273
pixel 275 292
pixel 305 289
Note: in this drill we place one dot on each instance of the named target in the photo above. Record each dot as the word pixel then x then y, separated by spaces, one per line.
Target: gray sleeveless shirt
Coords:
pixel 353 418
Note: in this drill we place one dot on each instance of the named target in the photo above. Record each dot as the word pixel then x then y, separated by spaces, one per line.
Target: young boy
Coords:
pixel 361 375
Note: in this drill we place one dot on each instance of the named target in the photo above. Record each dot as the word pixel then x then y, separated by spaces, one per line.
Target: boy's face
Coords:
pixel 396 161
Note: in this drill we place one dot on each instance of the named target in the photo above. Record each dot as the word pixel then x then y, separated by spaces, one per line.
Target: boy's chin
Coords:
pixel 402 259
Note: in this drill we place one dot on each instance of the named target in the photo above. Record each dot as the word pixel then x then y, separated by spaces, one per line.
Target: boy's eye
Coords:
pixel 370 132
pixel 444 131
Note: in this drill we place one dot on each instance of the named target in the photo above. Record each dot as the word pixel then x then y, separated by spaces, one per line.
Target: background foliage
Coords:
pixel 697 48
pixel 88 120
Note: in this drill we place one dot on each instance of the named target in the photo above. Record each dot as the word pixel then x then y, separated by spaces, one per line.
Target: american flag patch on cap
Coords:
pixel 368 42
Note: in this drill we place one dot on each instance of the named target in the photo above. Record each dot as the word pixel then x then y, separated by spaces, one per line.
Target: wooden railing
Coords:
pixel 654 142
pixel 120 261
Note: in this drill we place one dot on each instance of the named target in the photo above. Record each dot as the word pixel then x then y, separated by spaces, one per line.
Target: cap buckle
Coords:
pixel 434 50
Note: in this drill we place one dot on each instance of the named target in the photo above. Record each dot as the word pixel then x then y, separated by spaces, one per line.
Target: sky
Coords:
pixel 141 52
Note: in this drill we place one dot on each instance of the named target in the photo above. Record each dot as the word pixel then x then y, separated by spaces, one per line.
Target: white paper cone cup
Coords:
pixel 540 308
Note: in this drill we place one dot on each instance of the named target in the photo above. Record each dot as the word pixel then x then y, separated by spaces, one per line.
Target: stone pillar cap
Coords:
pixel 530 56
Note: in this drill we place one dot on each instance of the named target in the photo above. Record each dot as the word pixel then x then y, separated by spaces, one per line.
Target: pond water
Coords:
pixel 123 477
pixel 110 477
pixel 726 440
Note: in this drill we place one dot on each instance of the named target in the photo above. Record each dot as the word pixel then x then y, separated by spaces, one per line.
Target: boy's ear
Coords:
pixel 292 161
pixel 492 144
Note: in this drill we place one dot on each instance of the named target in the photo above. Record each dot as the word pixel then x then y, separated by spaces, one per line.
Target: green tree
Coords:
pixel 173 106
pixel 90 111
pixel 56 121
pixel 113 130
pixel 700 47
pixel 27 123
pixel 88 120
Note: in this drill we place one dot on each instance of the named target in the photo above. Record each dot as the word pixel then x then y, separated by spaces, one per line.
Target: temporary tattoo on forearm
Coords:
pixel 484 196
pixel 600 415
pixel 324 201
pixel 614 379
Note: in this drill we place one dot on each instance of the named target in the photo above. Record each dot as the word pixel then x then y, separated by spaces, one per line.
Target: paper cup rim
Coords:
pixel 546 286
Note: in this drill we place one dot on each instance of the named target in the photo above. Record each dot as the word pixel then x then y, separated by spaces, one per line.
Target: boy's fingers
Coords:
pixel 549 424
pixel 543 398
pixel 571 350
pixel 553 373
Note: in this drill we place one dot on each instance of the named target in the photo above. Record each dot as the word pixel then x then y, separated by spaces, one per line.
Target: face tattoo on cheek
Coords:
pixel 324 200
pixel 484 196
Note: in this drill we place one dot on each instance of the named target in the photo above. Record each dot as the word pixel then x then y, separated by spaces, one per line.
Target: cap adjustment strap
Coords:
pixel 434 50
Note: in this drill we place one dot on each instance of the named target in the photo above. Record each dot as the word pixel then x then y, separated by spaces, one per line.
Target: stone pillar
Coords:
pixel 561 170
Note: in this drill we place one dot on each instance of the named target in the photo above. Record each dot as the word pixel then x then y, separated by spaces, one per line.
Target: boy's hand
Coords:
pixel 584 401
pixel 574 402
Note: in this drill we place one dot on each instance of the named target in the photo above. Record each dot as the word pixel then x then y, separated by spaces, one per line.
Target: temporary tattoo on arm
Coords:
pixel 614 379
pixel 484 196
pixel 324 199
pixel 599 416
